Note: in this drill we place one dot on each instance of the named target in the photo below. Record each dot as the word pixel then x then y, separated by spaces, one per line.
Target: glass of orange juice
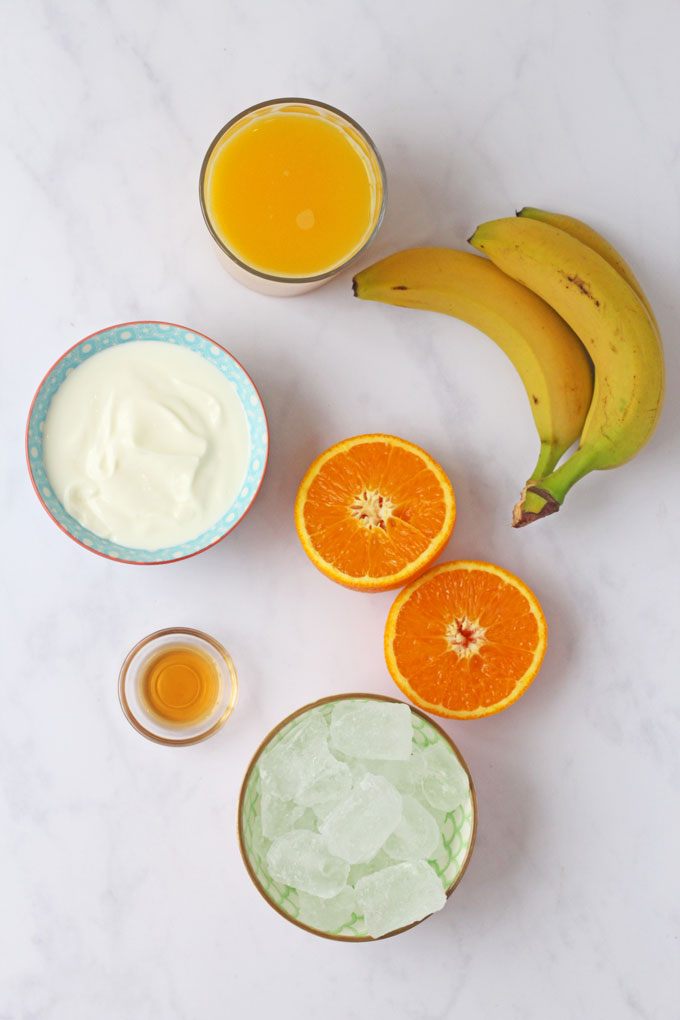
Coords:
pixel 292 191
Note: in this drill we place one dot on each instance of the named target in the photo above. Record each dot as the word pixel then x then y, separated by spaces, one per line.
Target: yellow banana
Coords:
pixel 615 328
pixel 549 357
pixel 589 236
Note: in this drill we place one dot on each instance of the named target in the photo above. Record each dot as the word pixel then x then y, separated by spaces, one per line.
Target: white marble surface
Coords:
pixel 122 893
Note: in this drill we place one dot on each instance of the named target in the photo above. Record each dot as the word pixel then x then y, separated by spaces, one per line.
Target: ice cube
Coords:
pixel 440 817
pixel 445 783
pixel 403 775
pixel 372 729
pixel 332 782
pixel 301 859
pixel 416 838
pixel 398 896
pixel 278 816
pixel 331 914
pixel 377 863
pixel 326 807
pixel 358 769
pixel 307 820
pixel 296 759
pixel 359 826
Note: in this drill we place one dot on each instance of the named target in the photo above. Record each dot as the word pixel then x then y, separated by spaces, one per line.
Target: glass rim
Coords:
pixel 132 655
pixel 319 277
pixel 242 794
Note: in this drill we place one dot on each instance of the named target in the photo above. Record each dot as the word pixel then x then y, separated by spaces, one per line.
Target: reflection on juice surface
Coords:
pixel 292 190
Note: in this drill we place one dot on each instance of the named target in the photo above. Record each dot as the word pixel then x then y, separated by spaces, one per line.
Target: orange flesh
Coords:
pixel 340 520
pixel 466 641
pixel 291 193
pixel 373 509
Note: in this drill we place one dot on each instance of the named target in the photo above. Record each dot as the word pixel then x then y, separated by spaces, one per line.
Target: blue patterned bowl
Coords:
pixel 182 337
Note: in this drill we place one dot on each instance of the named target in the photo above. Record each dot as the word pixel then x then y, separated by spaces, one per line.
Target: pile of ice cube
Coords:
pixel 353 811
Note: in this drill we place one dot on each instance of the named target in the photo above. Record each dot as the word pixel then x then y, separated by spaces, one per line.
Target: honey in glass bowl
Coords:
pixel 179 685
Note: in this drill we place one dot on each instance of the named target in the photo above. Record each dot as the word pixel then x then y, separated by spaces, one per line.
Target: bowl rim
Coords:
pixel 85 339
pixel 291 101
pixel 253 761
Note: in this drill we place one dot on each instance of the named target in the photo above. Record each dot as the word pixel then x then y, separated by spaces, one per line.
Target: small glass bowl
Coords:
pixel 460 825
pixel 134 708
pixel 290 286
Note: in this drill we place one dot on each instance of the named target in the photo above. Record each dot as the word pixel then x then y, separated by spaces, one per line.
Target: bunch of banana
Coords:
pixel 554 296
pixel 551 360
pixel 587 282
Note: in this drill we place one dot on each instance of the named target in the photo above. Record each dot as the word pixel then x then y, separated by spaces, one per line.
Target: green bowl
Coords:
pixel 457 827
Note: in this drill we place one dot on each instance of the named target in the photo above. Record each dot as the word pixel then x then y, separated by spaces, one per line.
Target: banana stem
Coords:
pixel 547 459
pixel 532 503
pixel 543 496
pixel 532 506
pixel 555 486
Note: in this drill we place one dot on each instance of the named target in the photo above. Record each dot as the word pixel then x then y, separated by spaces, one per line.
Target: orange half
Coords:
pixel 465 640
pixel 373 512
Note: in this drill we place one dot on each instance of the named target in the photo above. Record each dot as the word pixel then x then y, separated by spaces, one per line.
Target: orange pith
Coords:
pixel 374 511
pixel 465 640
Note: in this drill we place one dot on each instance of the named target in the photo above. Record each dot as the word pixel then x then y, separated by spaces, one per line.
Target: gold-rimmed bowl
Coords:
pixel 457 829
pixel 133 703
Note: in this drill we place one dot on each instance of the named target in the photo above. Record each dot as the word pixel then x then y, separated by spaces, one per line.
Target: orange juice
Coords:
pixel 292 190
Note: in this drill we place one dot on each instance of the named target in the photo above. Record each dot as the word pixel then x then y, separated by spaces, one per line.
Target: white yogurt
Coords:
pixel 146 444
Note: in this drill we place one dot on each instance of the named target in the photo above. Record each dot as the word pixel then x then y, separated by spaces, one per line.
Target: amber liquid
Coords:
pixel 180 685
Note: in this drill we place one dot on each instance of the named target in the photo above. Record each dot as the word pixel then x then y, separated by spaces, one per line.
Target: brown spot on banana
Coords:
pixel 583 287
